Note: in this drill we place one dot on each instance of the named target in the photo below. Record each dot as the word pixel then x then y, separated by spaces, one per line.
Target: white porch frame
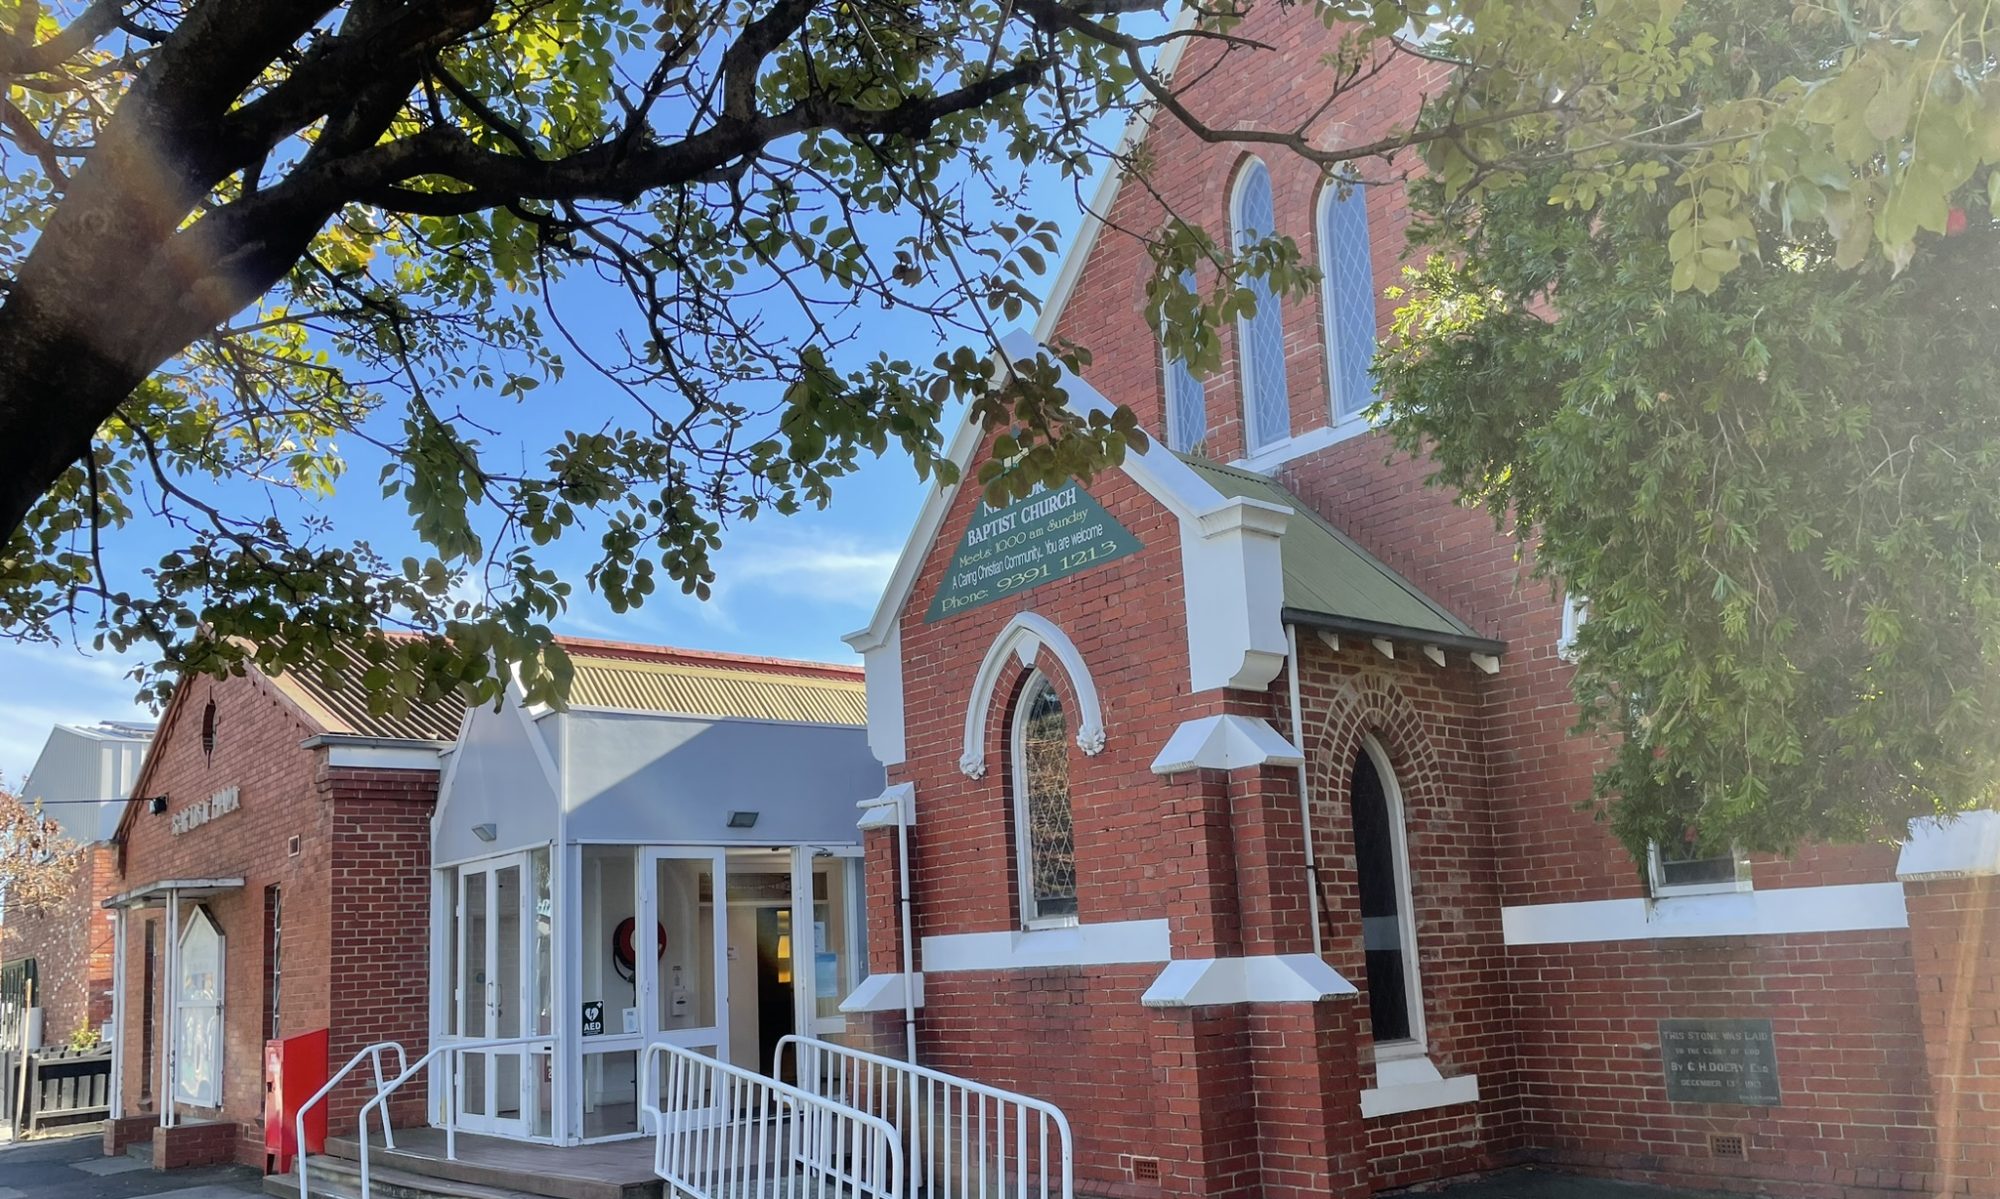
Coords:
pixel 167 893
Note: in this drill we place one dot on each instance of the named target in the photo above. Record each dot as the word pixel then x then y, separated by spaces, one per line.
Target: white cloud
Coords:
pixel 837 570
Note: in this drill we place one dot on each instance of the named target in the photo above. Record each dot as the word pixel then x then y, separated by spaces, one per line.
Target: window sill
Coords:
pixel 1740 887
pixel 1411 1083
pixel 1278 453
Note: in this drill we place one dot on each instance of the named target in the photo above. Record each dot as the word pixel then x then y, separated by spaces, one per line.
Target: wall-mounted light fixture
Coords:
pixel 485 832
pixel 743 820
pixel 156 804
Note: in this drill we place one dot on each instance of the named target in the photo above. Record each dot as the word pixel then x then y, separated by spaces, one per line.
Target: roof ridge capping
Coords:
pixel 675 656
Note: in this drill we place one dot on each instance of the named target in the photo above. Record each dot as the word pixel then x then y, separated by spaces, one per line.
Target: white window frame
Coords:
pixel 1328 302
pixel 1246 362
pixel 1656 875
pixel 210 1096
pixel 1575 611
pixel 1024 848
pixel 1417 1044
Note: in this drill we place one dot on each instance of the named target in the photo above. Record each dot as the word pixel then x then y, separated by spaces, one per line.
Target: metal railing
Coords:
pixel 449 1051
pixel 723 1132
pixel 373 1055
pixel 963 1139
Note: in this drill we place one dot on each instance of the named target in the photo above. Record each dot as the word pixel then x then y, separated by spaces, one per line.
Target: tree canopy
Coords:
pixel 239 235
pixel 38 861
pixel 1773 483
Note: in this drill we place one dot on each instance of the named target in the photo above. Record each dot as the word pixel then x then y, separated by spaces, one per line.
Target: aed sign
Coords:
pixel 1052 534
pixel 201 811
pixel 593 1017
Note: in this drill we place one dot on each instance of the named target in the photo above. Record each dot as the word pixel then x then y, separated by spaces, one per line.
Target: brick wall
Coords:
pixel 381 928
pixel 71 945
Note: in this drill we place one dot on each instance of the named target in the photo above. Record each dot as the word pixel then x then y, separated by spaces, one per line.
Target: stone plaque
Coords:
pixel 1720 1061
pixel 1053 534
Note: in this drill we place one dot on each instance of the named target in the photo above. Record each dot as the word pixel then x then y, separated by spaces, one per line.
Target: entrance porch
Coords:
pixel 747 946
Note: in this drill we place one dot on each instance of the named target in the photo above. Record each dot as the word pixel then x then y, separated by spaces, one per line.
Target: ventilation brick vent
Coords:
pixel 1145 1169
pixel 1726 1145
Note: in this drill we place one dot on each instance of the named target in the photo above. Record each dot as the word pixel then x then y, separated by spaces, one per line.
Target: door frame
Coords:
pixel 714 1036
pixel 488 869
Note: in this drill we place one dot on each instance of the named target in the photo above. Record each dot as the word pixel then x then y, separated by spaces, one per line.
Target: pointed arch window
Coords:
pixel 1045 842
pixel 198 1013
pixel 1348 279
pixel 1388 915
pixel 1187 399
pixel 1260 337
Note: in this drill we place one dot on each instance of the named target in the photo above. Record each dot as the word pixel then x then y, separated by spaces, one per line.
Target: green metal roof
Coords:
pixel 1331 582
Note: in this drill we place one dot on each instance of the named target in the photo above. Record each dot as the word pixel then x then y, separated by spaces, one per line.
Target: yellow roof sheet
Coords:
pixel 723 692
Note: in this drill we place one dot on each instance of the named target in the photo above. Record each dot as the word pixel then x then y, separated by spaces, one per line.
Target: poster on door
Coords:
pixel 593 1017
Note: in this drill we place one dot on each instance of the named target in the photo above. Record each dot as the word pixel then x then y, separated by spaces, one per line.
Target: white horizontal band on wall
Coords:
pixel 1115 943
pixel 1846 908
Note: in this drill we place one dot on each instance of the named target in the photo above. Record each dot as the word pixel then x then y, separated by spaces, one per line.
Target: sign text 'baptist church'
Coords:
pixel 1049 535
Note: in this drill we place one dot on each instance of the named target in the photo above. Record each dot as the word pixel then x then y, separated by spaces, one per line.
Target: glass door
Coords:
pixel 496 921
pixel 683 994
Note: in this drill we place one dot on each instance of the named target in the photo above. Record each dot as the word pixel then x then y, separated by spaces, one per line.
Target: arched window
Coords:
pixel 1260 337
pixel 1187 399
pixel 198 1011
pixel 1388 921
pixel 1349 282
pixel 1044 840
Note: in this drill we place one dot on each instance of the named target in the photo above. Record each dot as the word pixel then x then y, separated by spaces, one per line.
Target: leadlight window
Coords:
pixel 1260 337
pixel 1046 843
pixel 1187 399
pixel 1388 923
pixel 1348 275
pixel 198 1013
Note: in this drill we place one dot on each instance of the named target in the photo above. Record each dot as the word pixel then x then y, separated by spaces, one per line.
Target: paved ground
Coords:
pixel 1529 1182
pixel 76 1168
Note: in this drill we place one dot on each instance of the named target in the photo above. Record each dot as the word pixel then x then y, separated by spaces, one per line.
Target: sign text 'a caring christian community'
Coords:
pixel 1049 535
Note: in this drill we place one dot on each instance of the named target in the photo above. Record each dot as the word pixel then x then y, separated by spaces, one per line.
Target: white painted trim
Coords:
pixel 884 993
pixel 1115 943
pixel 1965 847
pixel 1419 1096
pixel 1264 978
pixel 882 669
pixel 896 807
pixel 1225 742
pixel 382 757
pixel 1846 908
pixel 1023 639
pixel 1312 441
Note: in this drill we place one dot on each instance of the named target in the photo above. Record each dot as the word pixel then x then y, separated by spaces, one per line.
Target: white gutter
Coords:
pixel 1305 782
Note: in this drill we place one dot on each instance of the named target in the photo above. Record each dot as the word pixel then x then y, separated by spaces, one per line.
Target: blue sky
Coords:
pixel 785 586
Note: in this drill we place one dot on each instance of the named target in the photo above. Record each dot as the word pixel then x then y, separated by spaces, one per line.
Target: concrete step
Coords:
pixel 338 1178
pixel 547 1179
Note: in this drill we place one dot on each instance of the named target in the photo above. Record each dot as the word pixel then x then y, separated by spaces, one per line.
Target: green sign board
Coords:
pixel 1051 535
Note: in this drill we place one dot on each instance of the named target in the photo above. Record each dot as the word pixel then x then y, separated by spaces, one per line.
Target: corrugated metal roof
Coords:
pixel 334 697
pixel 716 691
pixel 1329 576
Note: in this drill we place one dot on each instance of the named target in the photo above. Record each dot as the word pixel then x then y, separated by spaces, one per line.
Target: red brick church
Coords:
pixel 1242 816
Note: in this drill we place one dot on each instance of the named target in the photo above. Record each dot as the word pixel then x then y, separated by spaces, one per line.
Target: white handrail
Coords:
pixel 544 1043
pixel 374 1054
pixel 966 1140
pixel 722 1130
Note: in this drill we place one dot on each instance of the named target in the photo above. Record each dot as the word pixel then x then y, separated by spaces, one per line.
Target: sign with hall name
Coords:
pixel 1050 535
pixel 201 811
pixel 1720 1061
